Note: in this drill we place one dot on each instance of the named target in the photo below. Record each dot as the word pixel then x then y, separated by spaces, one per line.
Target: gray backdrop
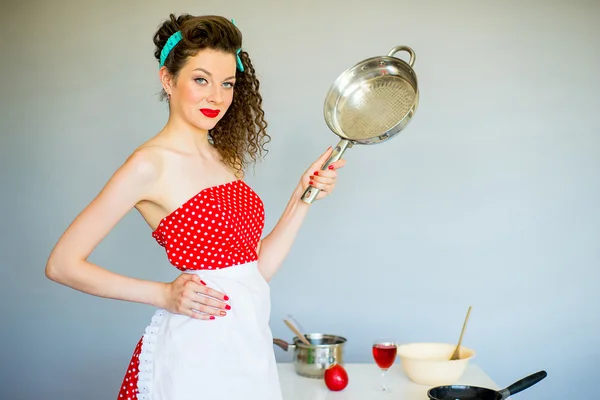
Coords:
pixel 489 199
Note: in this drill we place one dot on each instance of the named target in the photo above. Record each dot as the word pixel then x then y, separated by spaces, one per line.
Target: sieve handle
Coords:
pixel 410 51
pixel 310 194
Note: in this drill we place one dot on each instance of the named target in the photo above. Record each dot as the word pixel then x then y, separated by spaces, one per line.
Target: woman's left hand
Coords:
pixel 324 180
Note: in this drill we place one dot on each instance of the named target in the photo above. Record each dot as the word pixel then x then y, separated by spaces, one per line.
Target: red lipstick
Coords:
pixel 210 113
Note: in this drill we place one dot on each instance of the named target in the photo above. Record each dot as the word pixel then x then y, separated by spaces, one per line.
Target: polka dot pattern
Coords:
pixel 217 228
pixel 129 386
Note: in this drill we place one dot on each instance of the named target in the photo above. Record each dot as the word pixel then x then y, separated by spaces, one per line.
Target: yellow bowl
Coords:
pixel 429 363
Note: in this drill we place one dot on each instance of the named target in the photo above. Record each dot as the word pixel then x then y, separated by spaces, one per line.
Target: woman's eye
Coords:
pixel 229 85
pixel 200 80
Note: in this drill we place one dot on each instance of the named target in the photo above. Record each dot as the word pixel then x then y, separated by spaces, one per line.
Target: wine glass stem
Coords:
pixel 383 385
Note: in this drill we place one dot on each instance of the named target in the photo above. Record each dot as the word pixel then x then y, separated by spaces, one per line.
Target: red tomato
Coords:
pixel 336 378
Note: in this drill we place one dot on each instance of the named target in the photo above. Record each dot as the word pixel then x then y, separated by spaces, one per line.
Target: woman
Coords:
pixel 210 337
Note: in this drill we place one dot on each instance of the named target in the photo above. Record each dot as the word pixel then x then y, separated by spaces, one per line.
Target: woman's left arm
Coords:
pixel 273 249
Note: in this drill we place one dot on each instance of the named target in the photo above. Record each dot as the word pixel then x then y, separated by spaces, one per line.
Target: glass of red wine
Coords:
pixel 384 353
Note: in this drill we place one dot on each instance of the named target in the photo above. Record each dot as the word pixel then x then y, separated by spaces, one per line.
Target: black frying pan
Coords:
pixel 461 392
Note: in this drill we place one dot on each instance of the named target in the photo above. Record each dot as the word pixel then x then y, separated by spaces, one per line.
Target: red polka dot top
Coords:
pixel 217 228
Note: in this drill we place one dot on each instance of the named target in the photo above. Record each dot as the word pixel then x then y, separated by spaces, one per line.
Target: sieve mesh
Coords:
pixel 374 107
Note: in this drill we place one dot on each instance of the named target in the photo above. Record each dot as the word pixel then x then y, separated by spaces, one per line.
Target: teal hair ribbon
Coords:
pixel 237 54
pixel 239 61
pixel 171 42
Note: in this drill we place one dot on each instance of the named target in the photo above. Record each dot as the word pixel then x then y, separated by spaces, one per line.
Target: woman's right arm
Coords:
pixel 133 182
pixel 68 264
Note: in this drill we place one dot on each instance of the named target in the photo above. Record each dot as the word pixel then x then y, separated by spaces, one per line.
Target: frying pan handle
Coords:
pixel 410 51
pixel 523 384
pixel 310 194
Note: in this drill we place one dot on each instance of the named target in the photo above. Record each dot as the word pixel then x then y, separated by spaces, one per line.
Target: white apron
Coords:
pixel 229 358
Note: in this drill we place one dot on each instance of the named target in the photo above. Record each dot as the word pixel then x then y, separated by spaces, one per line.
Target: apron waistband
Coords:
pixel 235 271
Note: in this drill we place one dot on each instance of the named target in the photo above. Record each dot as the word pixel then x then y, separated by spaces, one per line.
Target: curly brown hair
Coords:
pixel 241 133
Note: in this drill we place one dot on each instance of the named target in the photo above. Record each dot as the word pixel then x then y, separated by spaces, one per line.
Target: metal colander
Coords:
pixel 370 102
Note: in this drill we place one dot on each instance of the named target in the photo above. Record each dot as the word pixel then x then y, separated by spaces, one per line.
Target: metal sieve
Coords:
pixel 369 103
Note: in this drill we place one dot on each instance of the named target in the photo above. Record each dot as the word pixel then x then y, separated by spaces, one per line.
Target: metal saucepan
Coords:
pixel 312 361
pixel 370 102
pixel 460 392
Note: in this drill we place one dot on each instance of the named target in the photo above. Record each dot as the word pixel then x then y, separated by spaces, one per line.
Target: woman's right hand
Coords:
pixel 189 295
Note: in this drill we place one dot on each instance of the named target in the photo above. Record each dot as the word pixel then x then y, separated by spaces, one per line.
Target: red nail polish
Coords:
pixel 226 298
pixel 311 183
pixel 212 317
pixel 330 167
pixel 202 282
pixel 227 307
pixel 316 173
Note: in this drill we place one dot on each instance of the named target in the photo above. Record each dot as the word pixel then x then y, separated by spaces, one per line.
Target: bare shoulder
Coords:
pixel 144 165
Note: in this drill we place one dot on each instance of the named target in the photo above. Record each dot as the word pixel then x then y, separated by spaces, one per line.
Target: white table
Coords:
pixel 364 381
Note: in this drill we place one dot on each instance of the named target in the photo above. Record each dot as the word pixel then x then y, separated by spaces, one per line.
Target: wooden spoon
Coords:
pixel 297 332
pixel 456 354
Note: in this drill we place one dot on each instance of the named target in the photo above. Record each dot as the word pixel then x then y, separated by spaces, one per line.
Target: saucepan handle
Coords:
pixel 310 194
pixel 410 51
pixel 283 344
